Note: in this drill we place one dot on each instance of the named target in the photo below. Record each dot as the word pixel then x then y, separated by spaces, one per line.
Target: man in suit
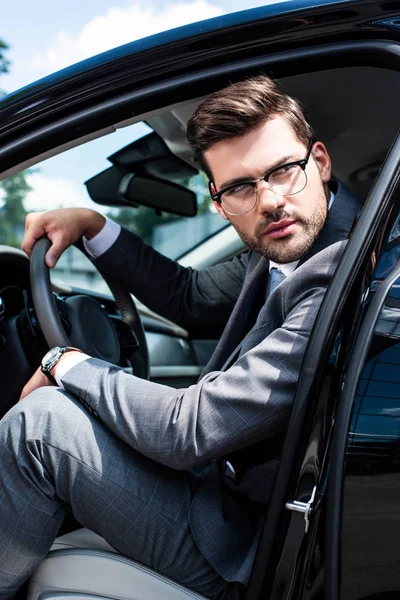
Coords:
pixel 180 479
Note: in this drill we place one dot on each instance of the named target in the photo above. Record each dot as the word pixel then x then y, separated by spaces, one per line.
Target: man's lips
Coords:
pixel 279 229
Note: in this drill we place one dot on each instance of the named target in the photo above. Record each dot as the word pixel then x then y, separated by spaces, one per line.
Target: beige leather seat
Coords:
pixel 82 566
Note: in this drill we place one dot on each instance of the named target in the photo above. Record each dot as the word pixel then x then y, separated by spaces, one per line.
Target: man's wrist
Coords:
pixel 94 223
pixel 70 361
pixel 100 243
pixel 71 353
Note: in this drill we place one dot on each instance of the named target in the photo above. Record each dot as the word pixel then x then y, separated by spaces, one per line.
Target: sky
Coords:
pixel 45 36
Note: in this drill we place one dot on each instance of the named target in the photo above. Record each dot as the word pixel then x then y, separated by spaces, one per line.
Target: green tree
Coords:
pixel 4 63
pixel 199 184
pixel 13 189
pixel 13 212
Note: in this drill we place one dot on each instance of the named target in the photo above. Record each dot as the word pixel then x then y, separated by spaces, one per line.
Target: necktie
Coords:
pixel 275 278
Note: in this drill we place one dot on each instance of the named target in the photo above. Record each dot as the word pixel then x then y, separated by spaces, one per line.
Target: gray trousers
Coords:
pixel 52 452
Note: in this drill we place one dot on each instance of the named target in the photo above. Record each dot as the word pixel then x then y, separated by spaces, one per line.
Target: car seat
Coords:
pixel 81 565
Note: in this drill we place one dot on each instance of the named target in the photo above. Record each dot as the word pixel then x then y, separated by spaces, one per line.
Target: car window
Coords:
pixel 60 182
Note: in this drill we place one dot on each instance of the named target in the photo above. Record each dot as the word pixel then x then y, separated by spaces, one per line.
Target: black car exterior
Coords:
pixel 333 524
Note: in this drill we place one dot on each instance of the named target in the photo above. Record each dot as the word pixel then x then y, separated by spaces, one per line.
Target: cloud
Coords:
pixel 58 192
pixel 116 27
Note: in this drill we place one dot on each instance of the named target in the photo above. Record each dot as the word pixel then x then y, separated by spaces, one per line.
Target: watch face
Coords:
pixel 50 356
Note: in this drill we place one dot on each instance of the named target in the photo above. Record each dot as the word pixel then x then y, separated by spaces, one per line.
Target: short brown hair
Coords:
pixel 238 109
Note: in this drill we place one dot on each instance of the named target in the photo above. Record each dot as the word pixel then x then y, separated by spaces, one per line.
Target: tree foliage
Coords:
pixel 12 190
pixel 4 63
pixel 13 213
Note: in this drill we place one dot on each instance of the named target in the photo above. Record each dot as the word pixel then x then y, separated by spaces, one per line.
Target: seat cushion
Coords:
pixel 81 564
pixel 82 538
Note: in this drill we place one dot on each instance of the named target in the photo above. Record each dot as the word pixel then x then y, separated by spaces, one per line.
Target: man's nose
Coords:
pixel 268 199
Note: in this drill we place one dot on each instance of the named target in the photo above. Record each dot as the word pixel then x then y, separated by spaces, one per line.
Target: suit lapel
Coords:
pixel 233 332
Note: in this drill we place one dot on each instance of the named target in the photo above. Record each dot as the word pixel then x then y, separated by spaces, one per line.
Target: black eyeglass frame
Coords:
pixel 301 163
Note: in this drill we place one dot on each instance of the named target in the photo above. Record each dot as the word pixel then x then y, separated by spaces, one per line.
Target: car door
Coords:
pixel 349 379
pixel 368 455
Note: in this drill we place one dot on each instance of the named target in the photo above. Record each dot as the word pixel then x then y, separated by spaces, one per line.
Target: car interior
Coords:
pixel 354 111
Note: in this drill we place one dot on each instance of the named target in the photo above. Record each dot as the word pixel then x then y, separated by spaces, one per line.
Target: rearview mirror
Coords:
pixel 113 188
pixel 161 195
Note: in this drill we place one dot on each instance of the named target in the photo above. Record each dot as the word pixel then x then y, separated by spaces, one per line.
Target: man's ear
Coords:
pixel 220 210
pixel 218 206
pixel 323 161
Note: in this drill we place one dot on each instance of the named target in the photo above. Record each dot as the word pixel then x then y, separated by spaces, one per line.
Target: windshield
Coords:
pixel 59 182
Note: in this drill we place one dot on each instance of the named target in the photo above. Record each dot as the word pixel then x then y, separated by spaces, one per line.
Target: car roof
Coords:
pixel 200 28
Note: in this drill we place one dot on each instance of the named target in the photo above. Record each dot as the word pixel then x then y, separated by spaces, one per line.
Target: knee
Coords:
pixel 42 398
pixel 41 415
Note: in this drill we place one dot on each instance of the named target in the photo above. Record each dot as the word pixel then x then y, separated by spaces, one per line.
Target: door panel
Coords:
pixel 370 552
pixel 299 552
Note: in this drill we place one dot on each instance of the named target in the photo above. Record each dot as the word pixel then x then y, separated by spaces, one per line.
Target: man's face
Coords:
pixel 303 215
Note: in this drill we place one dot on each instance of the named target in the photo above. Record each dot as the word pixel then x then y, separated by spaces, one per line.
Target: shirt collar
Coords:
pixel 288 268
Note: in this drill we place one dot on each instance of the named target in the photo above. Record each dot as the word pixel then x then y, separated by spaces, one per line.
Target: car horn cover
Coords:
pixel 91 329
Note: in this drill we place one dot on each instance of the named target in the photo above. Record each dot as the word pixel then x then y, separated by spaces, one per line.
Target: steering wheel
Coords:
pixel 89 327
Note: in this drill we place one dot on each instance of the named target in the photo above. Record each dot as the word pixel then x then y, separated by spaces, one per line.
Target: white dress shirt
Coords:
pixel 101 242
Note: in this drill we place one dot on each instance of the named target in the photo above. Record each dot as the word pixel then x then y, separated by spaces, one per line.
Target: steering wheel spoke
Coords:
pixel 127 338
pixel 62 308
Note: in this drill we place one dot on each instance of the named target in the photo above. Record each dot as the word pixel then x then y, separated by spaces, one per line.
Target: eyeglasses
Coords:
pixel 286 180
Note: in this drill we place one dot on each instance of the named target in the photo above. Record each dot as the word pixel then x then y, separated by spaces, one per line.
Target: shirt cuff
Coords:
pixel 101 242
pixel 66 364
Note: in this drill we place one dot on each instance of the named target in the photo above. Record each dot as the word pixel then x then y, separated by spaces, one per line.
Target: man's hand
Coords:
pixel 37 380
pixel 63 227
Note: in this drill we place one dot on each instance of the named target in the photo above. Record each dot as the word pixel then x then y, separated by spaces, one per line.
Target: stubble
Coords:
pixel 293 246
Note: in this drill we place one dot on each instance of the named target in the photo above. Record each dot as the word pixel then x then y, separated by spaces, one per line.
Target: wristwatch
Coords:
pixel 51 359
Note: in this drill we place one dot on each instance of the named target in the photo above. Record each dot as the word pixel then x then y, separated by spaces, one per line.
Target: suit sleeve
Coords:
pixel 225 411
pixel 190 298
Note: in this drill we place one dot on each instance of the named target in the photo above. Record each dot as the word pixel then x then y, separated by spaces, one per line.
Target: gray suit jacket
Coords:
pixel 241 405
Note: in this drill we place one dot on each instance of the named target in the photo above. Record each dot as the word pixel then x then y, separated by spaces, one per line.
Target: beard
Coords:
pixel 293 246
